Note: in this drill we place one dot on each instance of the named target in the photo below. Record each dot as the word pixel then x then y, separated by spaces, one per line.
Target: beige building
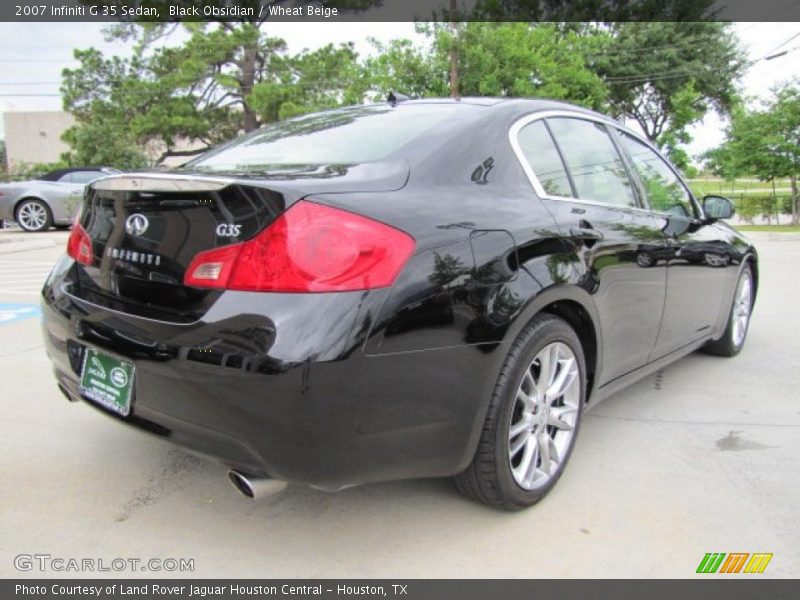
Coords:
pixel 35 137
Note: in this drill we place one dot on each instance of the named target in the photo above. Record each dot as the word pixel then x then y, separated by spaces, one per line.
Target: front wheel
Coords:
pixel 532 420
pixel 34 215
pixel 732 341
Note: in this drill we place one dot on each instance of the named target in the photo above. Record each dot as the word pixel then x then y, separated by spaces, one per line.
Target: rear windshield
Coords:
pixel 346 136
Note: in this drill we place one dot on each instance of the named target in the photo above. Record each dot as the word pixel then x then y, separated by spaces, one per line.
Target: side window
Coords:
pixel 665 191
pixel 85 176
pixel 593 161
pixel 541 153
pixel 66 178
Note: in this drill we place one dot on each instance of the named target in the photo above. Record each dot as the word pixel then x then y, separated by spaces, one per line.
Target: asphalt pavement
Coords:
pixel 701 457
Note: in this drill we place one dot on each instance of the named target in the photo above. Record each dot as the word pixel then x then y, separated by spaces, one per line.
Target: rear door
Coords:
pixel 698 256
pixel 579 173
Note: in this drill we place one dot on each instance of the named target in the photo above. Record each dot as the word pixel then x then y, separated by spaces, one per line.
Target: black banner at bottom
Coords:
pixel 410 589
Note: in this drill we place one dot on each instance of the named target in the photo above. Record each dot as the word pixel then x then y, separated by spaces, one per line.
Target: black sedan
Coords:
pixel 415 289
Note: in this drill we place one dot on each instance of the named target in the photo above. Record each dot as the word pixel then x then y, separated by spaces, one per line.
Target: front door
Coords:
pixel 698 256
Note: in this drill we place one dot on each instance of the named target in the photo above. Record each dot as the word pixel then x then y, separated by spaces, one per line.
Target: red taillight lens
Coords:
pixel 79 245
pixel 310 248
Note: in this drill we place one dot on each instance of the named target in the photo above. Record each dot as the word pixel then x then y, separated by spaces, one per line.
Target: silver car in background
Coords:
pixel 49 201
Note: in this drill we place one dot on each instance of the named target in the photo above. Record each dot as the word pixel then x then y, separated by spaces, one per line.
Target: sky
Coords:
pixel 32 56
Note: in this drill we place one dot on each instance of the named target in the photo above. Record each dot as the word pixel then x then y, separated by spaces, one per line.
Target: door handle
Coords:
pixel 585 233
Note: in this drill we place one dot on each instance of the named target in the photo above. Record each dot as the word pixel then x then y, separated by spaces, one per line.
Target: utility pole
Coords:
pixel 453 50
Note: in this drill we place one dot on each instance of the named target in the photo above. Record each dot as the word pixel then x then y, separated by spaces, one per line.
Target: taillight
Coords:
pixel 310 248
pixel 79 245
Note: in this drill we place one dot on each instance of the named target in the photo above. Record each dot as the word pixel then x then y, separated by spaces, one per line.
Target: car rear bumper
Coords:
pixel 278 385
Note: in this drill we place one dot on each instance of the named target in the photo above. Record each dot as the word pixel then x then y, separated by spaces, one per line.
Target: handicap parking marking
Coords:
pixel 9 313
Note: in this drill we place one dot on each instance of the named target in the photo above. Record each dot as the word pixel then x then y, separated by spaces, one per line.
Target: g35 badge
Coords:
pixel 228 230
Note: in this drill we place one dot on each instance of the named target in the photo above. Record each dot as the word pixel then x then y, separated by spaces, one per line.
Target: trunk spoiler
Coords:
pixel 160 182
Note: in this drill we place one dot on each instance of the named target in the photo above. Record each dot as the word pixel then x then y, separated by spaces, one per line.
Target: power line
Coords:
pixel 38 60
pixel 771 54
pixel 779 54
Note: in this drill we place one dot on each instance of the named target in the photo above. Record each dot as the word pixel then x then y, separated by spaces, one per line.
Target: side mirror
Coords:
pixel 718 207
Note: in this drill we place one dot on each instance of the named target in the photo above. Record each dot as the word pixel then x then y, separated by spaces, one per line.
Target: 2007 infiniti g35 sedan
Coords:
pixel 410 289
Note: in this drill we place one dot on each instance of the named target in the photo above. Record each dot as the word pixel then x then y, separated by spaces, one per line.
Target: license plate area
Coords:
pixel 107 380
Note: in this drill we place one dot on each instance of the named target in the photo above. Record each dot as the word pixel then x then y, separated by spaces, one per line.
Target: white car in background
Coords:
pixel 50 200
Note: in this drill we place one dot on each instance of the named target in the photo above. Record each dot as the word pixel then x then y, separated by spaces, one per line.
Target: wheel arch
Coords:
pixel 576 306
pixel 32 197
pixel 752 259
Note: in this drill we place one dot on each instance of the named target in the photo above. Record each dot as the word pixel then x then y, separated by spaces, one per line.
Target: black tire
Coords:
pixel 46 222
pixel 489 478
pixel 727 345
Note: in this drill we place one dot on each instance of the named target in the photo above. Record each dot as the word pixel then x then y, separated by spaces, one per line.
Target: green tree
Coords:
pixel 667 76
pixel 494 59
pixel 310 81
pixel 519 59
pixel 721 162
pixel 766 141
pixel 225 79
pixel 163 97
pixel 402 66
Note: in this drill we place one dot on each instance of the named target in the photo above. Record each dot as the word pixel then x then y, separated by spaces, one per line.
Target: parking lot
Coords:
pixel 701 457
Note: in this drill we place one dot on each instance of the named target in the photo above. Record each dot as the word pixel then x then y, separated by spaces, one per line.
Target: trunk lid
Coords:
pixel 147 228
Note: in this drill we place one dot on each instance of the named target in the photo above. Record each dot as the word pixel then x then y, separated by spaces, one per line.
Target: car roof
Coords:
pixel 57 174
pixel 523 105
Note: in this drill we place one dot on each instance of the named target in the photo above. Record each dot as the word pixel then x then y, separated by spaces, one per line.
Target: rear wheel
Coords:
pixel 34 215
pixel 532 420
pixel 732 341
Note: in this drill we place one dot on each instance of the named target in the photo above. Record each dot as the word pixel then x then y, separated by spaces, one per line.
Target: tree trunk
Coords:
pixel 454 92
pixel 775 204
pixel 250 119
pixel 795 201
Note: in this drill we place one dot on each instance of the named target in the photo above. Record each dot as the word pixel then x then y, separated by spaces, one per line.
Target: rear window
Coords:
pixel 347 136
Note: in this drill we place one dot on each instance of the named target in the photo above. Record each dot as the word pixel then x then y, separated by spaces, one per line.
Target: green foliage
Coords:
pixel 519 59
pixel 23 171
pixel 103 144
pixel 401 66
pixel 767 206
pixel 721 162
pixel 667 76
pixel 308 82
pixel 766 141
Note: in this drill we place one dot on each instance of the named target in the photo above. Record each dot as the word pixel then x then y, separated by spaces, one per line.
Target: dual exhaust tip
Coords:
pixel 255 487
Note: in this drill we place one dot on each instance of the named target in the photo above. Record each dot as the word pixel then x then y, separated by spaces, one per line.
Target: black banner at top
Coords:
pixel 397 10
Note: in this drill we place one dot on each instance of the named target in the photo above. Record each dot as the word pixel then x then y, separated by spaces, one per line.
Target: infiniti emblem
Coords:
pixel 136 224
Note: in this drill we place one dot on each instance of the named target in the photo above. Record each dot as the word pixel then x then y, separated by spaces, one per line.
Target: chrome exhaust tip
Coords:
pixel 255 487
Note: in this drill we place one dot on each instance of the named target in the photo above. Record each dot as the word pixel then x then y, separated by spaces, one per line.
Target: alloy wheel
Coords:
pixel 742 305
pixel 32 216
pixel 544 416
